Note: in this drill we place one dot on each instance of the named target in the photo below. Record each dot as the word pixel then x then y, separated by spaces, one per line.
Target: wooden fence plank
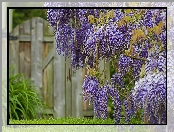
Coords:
pixel 107 71
pixel 68 90
pixel 21 51
pixel 27 59
pixel 51 85
pixel 27 27
pixel 47 88
pixel 14 51
pixel 47 59
pixel 12 54
pixel 74 87
pixel 44 86
pixel 78 97
pixel 21 57
pixel 38 53
pixel 83 76
pixel 47 47
pixel 102 67
pixel 33 50
pixel 59 85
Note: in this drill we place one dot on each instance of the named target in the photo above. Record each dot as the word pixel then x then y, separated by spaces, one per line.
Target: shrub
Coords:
pixel 24 101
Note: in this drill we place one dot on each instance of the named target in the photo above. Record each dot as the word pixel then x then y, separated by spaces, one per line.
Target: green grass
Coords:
pixel 68 120
pixel 71 120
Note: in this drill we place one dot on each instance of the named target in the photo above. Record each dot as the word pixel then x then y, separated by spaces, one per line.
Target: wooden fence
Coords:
pixel 34 54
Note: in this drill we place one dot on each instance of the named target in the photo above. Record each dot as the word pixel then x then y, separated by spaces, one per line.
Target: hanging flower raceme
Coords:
pixel 116 102
pixel 124 64
pixel 117 80
pixel 90 88
pixel 149 94
pixel 101 102
pixel 130 108
pixel 96 95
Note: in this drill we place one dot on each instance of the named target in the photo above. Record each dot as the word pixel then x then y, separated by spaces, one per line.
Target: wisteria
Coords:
pixel 112 38
pixel 101 101
pixel 149 94
pixel 130 108
pixel 135 38
pixel 117 80
pixel 90 88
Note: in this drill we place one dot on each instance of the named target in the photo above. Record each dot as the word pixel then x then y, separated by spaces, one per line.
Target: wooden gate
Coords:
pixel 34 54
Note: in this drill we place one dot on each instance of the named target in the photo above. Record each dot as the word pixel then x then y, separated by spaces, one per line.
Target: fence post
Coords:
pixel 36 55
pixel 59 84
pixel 74 87
pixel 79 98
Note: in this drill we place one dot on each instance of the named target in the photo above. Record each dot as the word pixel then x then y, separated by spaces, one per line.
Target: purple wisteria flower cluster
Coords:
pixel 90 86
pixel 149 94
pixel 77 35
pixel 113 92
pixel 137 38
pixel 101 101
pixel 98 96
